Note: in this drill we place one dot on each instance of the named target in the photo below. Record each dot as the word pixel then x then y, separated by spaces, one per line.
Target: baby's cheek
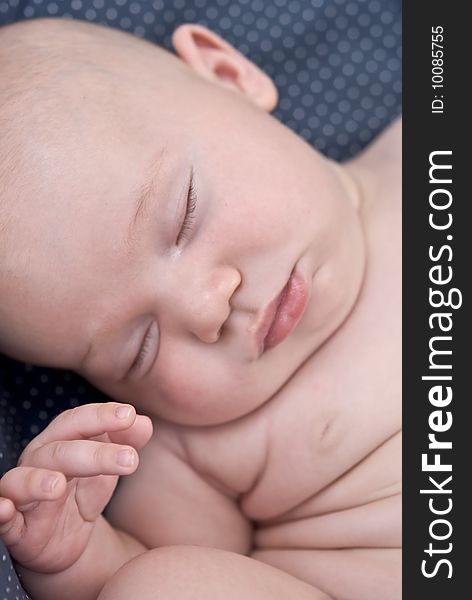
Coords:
pixel 189 390
pixel 206 386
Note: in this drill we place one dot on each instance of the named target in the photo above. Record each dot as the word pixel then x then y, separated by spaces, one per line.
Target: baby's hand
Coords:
pixel 65 477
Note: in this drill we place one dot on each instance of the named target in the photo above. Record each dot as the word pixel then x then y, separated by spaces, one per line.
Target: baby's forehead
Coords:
pixel 59 74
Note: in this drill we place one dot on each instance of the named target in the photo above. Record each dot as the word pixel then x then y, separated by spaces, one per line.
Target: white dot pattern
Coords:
pixel 10 587
pixel 337 66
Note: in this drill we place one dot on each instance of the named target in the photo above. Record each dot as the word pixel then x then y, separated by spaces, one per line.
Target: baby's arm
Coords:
pixel 168 502
pixel 51 503
pixel 198 573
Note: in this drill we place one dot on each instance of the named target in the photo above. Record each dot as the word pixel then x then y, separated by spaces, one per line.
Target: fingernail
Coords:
pixel 49 483
pixel 125 458
pixel 123 412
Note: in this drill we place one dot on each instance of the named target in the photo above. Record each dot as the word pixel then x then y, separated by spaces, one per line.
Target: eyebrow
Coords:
pixel 142 196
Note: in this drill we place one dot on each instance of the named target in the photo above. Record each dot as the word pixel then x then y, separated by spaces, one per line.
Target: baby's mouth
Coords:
pixel 283 313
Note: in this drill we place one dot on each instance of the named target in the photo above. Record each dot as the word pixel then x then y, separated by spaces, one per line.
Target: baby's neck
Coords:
pixel 352 184
pixel 376 167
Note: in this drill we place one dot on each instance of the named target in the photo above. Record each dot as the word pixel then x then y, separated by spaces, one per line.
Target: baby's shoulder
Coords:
pixel 379 166
pixel 378 173
pixel 387 146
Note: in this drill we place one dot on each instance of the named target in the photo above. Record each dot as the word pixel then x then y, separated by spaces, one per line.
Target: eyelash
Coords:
pixel 189 214
pixel 143 351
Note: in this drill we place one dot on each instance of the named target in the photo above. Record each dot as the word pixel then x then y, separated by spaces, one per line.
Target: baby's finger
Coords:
pixel 26 486
pixel 138 435
pixel 11 522
pixel 85 422
pixel 7 514
pixel 85 458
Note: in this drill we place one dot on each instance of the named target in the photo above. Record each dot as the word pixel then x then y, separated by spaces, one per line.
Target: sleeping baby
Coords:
pixel 168 239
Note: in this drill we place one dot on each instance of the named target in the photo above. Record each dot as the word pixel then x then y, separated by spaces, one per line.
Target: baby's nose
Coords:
pixel 209 302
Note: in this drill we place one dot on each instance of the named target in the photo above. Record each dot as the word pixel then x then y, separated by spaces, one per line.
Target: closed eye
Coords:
pixel 144 349
pixel 189 218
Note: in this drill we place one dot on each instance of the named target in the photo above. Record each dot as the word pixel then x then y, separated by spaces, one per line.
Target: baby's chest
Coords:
pixel 321 457
pixel 333 443
pixel 333 431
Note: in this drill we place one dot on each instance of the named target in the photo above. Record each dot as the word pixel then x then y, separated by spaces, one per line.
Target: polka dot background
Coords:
pixel 337 66
pixel 10 586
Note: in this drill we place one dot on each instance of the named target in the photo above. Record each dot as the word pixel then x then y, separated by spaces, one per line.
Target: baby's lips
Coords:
pixel 292 306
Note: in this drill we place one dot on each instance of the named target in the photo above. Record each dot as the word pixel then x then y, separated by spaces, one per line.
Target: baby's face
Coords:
pixel 167 214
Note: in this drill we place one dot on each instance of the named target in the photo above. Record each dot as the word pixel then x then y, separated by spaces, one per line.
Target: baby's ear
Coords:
pixel 217 61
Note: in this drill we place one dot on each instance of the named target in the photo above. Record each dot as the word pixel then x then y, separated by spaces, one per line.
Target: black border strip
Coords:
pixel 426 132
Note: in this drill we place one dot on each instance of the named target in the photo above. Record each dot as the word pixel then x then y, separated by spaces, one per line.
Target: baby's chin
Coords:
pixel 238 396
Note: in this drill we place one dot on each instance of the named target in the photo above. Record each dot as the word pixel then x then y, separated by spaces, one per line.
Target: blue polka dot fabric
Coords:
pixel 10 586
pixel 337 67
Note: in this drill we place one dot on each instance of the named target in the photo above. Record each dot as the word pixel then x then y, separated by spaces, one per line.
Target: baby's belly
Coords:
pixel 373 525
pixel 343 574
pixel 360 509
pixel 345 539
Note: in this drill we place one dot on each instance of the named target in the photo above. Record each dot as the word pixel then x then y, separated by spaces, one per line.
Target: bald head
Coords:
pixel 32 50
pixel 46 65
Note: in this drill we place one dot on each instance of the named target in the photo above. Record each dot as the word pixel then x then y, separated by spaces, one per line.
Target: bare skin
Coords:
pixel 51 504
pixel 311 481
pixel 290 457
pixel 188 572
